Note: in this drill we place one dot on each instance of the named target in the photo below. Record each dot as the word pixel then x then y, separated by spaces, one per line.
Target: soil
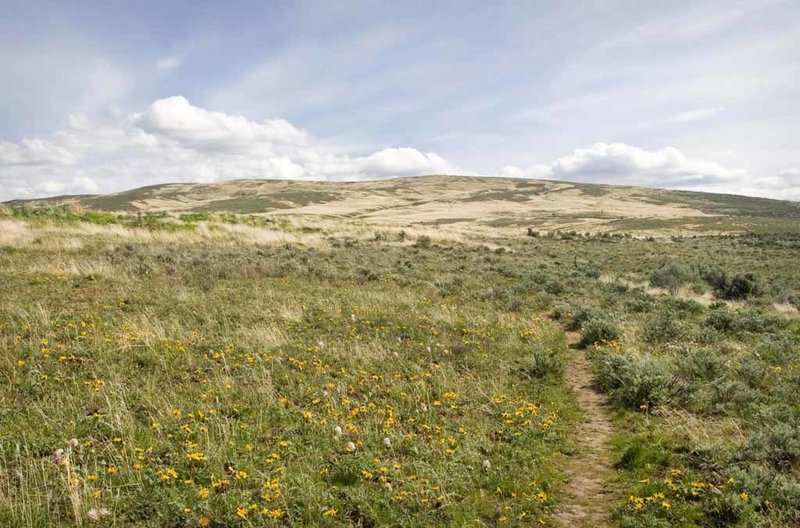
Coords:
pixel 588 499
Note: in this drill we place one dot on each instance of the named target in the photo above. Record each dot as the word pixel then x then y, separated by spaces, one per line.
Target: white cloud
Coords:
pixel 175 141
pixel 626 164
pixel 622 164
pixel 168 63
pixel 693 115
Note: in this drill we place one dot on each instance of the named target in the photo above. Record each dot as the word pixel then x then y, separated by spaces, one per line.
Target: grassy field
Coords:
pixel 222 370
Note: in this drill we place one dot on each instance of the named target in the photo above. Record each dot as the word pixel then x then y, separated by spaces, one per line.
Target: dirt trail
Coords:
pixel 588 498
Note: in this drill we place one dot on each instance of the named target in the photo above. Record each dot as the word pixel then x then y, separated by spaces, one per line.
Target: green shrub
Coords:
pixel 727 286
pixel 598 330
pixel 663 328
pixel 672 276
pixel 679 304
pixel 583 314
pixel 632 380
pixel 423 241
pixel 547 363
pixel 729 322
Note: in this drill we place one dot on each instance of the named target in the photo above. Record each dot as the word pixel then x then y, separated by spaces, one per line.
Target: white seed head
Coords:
pixel 337 431
pixel 73 443
pixel 95 514
pixel 59 457
pixel 387 443
pixel 487 465
pixel 350 447
pixel 423 407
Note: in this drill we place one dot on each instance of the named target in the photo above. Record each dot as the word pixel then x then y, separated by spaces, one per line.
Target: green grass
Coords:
pixel 219 380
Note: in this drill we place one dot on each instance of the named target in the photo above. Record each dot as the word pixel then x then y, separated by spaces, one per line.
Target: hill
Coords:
pixel 478 204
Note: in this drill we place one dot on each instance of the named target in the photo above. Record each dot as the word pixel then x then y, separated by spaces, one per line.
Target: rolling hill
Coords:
pixel 461 203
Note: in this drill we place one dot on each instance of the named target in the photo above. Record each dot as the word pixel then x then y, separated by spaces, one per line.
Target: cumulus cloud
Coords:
pixel 628 165
pixel 175 141
pixel 669 168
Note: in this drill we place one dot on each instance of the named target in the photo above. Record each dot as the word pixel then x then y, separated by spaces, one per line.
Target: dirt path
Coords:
pixel 588 499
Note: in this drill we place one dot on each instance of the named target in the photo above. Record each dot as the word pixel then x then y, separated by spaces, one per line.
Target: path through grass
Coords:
pixel 587 500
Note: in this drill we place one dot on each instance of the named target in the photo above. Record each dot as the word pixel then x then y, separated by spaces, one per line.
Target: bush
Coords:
pixel 679 304
pixel 547 363
pixel 672 276
pixel 632 380
pixel 726 286
pixel 423 241
pixel 598 330
pixel 663 328
pixel 583 314
pixel 730 322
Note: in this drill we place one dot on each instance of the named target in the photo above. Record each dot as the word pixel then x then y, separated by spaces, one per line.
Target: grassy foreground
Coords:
pixel 152 376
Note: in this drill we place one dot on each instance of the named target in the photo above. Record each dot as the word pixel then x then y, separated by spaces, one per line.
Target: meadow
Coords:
pixel 177 370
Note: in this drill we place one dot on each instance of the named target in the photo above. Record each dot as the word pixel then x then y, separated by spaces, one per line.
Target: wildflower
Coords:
pixel 330 512
pixel 666 505
pixel 541 497
pixel 203 521
pixel 59 457
pixel 275 514
pixel 168 474
pixel 111 470
pixel 350 447
pixel 744 495
pixel 241 512
pixel 196 456
pixel 20 363
pixel 203 492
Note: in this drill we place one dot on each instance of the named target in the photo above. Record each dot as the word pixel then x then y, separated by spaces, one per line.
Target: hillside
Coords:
pixel 477 204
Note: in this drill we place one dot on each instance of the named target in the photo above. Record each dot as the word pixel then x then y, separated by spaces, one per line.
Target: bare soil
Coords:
pixel 589 497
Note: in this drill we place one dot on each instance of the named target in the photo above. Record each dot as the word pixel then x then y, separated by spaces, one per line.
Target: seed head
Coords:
pixel 59 457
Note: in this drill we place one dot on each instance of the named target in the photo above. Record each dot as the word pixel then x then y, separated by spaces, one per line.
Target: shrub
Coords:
pixel 663 328
pixel 598 330
pixel 726 286
pixel 679 304
pixel 423 241
pixel 632 380
pixel 583 314
pixel 672 276
pixel 730 322
pixel 547 363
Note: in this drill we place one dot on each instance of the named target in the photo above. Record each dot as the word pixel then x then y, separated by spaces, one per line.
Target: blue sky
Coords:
pixel 102 96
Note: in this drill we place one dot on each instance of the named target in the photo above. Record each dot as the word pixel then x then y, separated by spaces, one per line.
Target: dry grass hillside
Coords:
pixel 463 205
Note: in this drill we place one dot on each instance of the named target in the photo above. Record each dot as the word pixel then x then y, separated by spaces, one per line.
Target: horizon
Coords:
pixel 388 178
pixel 694 96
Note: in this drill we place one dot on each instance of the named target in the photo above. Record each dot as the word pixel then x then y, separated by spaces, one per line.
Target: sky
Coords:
pixel 100 96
